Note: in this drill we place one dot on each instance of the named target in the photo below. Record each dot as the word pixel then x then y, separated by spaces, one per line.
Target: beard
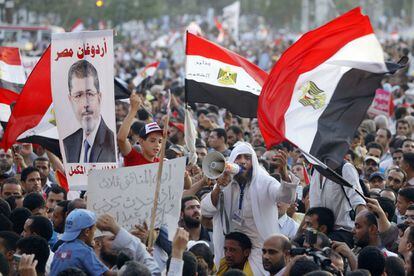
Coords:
pixel 109 258
pixel 4 166
pixel 274 268
pixel 174 139
pixel 191 222
pixel 364 241
pixel 244 177
pixel 89 124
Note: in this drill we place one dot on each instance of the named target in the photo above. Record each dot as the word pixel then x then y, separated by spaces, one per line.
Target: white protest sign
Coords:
pixel 128 193
pixel 82 76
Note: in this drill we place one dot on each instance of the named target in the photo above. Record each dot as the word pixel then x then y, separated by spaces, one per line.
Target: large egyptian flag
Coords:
pixel 319 91
pixel 12 79
pixel 221 77
pixel 32 118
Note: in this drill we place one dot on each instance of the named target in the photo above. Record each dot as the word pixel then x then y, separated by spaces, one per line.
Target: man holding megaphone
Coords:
pixel 244 199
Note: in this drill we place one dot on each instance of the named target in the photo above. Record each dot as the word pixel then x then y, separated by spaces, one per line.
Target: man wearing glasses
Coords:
pixel 94 142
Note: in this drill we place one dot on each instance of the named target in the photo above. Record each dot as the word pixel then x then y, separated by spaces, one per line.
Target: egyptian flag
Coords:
pixel 78 26
pixel 32 118
pixel 218 76
pixel 12 79
pixel 319 91
pixel 145 74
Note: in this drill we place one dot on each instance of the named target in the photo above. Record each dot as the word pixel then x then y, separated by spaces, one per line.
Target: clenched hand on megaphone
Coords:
pixel 215 166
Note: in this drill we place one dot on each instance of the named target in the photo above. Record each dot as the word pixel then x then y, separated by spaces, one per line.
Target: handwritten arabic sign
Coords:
pixel 128 193
pixel 83 98
pixel 381 103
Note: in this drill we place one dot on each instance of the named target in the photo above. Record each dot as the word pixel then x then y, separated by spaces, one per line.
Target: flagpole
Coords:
pixel 325 167
pixel 159 174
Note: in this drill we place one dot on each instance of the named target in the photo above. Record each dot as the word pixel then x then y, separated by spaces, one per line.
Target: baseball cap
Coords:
pixel 376 174
pixel 149 128
pixel 373 158
pixel 76 221
pixel 179 126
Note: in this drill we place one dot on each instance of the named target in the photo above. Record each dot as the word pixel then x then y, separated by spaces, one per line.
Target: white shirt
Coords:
pixel 91 139
pixel 330 195
pixel 288 226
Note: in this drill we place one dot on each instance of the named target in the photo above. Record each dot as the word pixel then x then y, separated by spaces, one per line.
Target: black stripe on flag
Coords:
pixel 336 126
pixel 50 144
pixel 238 102
pixel 15 87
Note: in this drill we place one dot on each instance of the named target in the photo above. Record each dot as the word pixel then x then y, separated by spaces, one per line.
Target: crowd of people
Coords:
pixel 277 216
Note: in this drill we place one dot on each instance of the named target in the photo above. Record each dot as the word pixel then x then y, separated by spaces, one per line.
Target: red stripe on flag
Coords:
pixel 34 101
pixel 62 180
pixel 10 55
pixel 198 46
pixel 7 96
pixel 310 51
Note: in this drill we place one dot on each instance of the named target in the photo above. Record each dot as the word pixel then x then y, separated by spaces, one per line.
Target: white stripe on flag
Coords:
pixel 206 70
pixel 46 127
pixel 5 112
pixel 12 73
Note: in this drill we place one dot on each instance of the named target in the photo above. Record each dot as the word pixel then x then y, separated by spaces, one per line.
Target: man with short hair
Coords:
pixel 36 204
pixel 6 164
pixel 409 215
pixel 397 156
pixel 94 141
pixel 405 198
pixel 402 128
pixel 10 187
pixel 237 248
pixel 396 179
pixel 234 135
pixel 191 219
pixel 8 240
pixel 372 259
pixel 407 145
pixel 383 137
pixel 276 254
pixel 366 232
pixel 375 149
pixel 38 246
pixel 406 244
pixel 38 226
pixel 407 164
pixel 217 141
pixel 31 180
pixel 55 195
pixel 43 165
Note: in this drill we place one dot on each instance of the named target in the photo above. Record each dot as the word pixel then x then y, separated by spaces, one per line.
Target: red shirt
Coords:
pixel 134 158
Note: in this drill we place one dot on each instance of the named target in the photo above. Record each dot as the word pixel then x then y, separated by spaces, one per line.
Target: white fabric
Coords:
pixel 264 192
pixel 190 134
pixel 330 195
pixel 288 226
pixel 12 73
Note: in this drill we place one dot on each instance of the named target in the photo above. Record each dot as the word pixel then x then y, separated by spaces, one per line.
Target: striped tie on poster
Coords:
pixel 218 76
pixel 319 91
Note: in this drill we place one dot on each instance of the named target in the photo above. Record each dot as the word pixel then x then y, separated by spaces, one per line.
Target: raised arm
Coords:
pixel 123 143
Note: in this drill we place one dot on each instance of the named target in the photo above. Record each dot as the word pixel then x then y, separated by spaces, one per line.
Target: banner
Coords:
pixel 128 194
pixel 381 105
pixel 83 96
pixel 230 23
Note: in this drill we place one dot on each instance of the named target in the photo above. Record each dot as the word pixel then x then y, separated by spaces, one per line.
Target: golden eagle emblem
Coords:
pixel 226 76
pixel 312 95
pixel 52 119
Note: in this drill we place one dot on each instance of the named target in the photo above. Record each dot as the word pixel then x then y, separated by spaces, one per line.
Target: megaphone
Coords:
pixel 215 164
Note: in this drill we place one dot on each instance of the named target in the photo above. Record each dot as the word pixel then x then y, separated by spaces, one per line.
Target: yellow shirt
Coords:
pixel 223 268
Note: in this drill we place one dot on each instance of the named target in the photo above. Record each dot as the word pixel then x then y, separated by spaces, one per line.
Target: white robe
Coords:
pixel 264 193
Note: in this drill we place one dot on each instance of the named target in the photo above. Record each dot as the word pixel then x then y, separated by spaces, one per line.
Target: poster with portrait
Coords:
pixel 83 96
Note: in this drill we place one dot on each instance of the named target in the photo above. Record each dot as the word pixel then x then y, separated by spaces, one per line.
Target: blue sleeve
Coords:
pixel 92 265
pixel 163 242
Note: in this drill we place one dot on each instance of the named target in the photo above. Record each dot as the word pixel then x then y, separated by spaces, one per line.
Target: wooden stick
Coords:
pixel 159 174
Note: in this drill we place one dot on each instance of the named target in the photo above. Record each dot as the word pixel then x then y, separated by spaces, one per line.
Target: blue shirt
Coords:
pixel 77 254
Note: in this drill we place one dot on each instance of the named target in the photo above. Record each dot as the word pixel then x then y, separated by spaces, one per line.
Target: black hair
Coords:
pixel 64 204
pixel 407 193
pixel 303 266
pixel 187 198
pixel 371 219
pixel 236 129
pixel 11 200
pixel 221 132
pixel 375 145
pixel 190 264
pixel 33 201
pixel 371 259
pixel 83 69
pixel 325 217
pixel 394 266
pixel 4 265
pixel 234 272
pixel 56 189
pixel 241 238
pixel 389 135
pixel 25 173
pixel 72 271
pixel 18 217
pixel 4 208
pixel 41 226
pixel 202 250
pixel 38 246
pixel 5 223
pixel 408 157
pixel 388 206
pixel 135 268
pixel 41 159
pixel 9 240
